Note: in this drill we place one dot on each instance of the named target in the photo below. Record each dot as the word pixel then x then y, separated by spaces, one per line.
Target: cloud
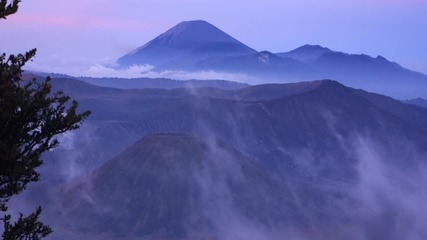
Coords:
pixel 391 190
pixel 135 71
pixel 148 71
pixel 202 75
pixel 80 68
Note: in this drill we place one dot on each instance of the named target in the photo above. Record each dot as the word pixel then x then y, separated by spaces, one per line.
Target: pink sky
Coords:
pixel 102 30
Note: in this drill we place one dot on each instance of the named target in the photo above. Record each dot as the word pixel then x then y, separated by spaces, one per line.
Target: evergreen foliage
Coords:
pixel 31 119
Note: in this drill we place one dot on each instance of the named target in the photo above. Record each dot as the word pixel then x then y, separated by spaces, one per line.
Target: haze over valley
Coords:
pixel 197 135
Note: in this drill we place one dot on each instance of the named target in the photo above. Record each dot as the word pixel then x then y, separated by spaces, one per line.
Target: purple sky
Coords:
pixel 72 36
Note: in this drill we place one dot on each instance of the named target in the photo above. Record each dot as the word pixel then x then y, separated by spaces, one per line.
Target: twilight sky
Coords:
pixel 73 37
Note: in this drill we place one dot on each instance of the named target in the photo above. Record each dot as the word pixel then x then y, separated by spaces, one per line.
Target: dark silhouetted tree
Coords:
pixel 31 119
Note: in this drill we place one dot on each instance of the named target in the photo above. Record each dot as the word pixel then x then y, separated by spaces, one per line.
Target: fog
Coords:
pixel 243 188
pixel 108 70
pixel 387 201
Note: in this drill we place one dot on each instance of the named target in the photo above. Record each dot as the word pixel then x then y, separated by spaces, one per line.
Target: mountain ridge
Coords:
pixel 245 152
pixel 197 46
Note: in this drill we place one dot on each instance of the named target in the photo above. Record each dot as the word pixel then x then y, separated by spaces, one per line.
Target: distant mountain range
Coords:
pixel 310 160
pixel 200 46
pixel 417 101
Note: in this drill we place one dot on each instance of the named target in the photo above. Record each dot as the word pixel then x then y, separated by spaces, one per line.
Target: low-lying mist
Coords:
pixel 325 163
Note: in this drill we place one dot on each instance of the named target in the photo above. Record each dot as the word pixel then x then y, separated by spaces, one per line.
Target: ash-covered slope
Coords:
pixel 188 41
pixel 320 160
pixel 172 186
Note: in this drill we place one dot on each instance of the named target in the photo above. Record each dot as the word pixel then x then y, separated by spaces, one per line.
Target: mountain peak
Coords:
pixel 190 23
pixel 306 53
pixel 194 32
pixel 309 47
pixel 383 59
pixel 197 21
pixel 198 39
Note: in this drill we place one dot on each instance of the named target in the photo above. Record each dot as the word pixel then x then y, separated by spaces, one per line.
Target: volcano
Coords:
pixel 188 41
pixel 273 160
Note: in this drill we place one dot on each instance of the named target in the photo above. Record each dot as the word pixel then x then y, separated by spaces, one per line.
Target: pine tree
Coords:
pixel 31 119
